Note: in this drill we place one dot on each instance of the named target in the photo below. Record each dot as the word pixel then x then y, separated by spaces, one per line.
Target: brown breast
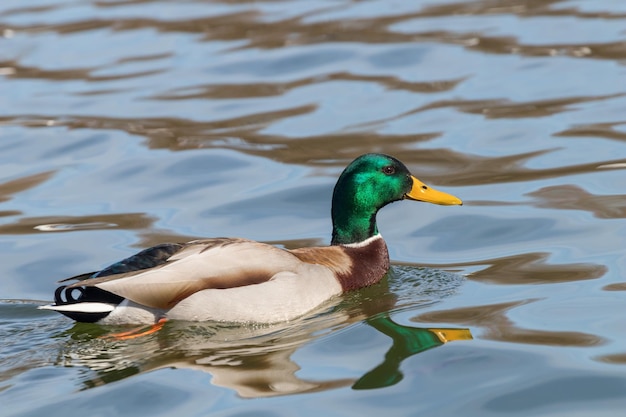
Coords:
pixel 354 266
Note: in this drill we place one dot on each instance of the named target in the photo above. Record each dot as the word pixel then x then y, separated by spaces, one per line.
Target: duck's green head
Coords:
pixel 369 183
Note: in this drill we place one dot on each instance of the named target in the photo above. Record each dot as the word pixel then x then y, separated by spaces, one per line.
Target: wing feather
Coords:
pixel 214 263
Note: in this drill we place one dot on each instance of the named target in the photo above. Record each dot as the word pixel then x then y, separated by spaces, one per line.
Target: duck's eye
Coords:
pixel 389 170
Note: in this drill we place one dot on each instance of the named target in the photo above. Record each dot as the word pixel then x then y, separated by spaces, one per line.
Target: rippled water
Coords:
pixel 128 123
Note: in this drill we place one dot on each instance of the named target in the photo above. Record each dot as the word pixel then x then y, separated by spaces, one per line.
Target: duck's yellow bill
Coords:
pixel 422 192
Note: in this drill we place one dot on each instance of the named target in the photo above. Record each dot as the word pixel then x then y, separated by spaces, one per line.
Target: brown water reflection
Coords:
pixel 572 197
pixel 619 357
pixel 452 168
pixel 125 221
pixel 11 187
pixel 497 326
pixel 529 268
pixel 600 130
pixel 296 30
pixel 616 358
pixel 621 286
pixel 229 91
pixel 241 134
pixel 502 108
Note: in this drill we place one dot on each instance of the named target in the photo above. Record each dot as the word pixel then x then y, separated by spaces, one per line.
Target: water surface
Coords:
pixel 124 124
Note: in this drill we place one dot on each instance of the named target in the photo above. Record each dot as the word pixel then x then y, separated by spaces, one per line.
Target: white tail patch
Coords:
pixel 87 307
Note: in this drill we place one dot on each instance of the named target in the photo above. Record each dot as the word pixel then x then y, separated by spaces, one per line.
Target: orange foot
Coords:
pixel 138 332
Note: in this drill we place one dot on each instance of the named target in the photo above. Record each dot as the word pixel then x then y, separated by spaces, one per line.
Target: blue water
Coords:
pixel 127 124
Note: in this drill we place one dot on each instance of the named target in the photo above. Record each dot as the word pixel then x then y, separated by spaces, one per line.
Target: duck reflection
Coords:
pixel 257 361
pixel 407 341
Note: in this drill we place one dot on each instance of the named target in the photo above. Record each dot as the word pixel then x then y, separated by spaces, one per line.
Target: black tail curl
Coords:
pixel 64 295
pixel 77 295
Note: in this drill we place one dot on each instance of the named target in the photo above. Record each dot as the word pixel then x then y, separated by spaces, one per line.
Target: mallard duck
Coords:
pixel 239 280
